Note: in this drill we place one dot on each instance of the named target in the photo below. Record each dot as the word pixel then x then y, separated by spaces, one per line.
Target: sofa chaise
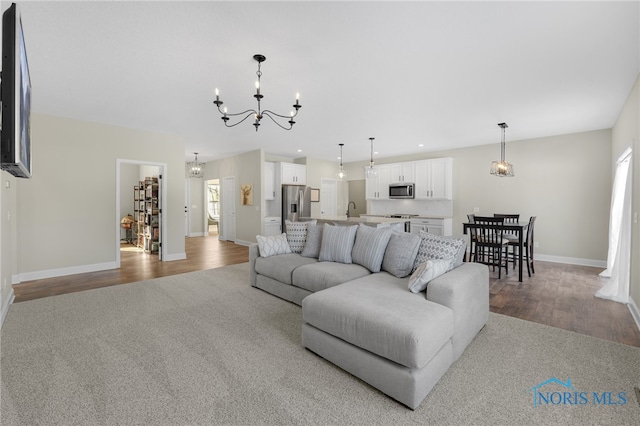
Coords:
pixel 393 309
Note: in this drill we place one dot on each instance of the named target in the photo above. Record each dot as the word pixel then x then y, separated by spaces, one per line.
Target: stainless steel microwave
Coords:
pixel 401 190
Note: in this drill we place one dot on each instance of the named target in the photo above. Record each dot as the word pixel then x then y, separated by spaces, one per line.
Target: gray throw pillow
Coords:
pixel 439 247
pixel 297 234
pixel 401 253
pixel 314 241
pixel 368 250
pixel 337 243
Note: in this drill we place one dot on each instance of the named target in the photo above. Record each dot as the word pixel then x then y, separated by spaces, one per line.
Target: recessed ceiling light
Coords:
pixel 376 152
pixel 420 145
pixel 299 150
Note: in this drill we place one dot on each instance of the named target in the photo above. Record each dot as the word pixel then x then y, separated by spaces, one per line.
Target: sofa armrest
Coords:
pixel 465 290
pixel 253 255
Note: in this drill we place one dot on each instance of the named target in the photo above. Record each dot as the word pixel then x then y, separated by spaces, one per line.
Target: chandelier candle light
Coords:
pixel 342 175
pixel 259 113
pixel 372 172
pixel 502 168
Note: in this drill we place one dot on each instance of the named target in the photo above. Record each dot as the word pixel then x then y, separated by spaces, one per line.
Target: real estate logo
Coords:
pixel 569 395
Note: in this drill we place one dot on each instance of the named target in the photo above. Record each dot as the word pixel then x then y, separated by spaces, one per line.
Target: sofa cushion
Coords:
pixel 378 314
pixel 273 245
pixel 319 276
pixel 337 243
pixel 426 272
pixel 369 247
pixel 314 241
pixel 401 254
pixel 440 247
pixel 297 234
pixel 281 267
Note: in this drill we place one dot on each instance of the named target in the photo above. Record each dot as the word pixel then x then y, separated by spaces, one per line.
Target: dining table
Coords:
pixel 518 228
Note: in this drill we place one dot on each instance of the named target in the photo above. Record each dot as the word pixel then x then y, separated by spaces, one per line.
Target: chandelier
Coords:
pixel 195 168
pixel 502 168
pixel 342 175
pixel 371 172
pixel 258 113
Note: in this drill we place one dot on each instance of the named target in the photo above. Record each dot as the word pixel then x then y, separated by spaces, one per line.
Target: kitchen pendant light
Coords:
pixel 502 168
pixel 371 172
pixel 342 175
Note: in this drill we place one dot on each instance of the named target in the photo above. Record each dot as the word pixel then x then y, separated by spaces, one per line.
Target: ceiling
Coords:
pixel 441 74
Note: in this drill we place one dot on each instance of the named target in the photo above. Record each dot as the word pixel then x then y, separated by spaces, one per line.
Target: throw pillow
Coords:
pixel 426 272
pixel 273 245
pixel 314 241
pixel 401 254
pixel 337 243
pixel 368 250
pixel 437 247
pixel 297 234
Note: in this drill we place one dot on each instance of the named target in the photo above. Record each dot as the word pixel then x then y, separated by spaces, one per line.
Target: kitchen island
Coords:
pixel 396 224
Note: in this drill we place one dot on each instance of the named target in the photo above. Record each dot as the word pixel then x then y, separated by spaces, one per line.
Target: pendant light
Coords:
pixel 371 172
pixel 342 175
pixel 195 168
pixel 502 168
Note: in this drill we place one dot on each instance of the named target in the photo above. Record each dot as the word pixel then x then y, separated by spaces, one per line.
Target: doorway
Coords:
pixel 129 174
pixel 212 215
pixel 228 209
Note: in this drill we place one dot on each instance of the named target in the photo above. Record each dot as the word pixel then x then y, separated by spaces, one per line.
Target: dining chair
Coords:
pixel 512 236
pixel 528 246
pixel 472 239
pixel 490 244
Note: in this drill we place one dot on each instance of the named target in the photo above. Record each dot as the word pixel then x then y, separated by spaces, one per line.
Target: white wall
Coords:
pixel 625 133
pixel 564 180
pixel 67 210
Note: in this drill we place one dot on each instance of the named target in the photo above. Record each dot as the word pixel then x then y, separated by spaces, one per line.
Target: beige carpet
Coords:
pixel 206 348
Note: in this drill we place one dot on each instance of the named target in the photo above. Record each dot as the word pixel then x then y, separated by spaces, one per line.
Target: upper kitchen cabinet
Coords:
pixel 293 174
pixel 269 181
pixel 434 179
pixel 402 172
pixel 377 188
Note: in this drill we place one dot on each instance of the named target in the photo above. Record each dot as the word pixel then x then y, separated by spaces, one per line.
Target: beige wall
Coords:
pixel 67 218
pixel 564 180
pixel 318 170
pixel 625 133
pixel 247 169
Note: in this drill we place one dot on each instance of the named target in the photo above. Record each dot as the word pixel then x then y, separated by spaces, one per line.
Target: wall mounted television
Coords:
pixel 15 144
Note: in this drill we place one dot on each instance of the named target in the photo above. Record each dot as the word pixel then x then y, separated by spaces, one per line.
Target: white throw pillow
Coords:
pixel 297 234
pixel 273 245
pixel 426 272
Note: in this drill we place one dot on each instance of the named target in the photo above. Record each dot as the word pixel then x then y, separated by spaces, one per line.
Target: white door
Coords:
pixel 328 198
pixel 228 218
pixel 186 207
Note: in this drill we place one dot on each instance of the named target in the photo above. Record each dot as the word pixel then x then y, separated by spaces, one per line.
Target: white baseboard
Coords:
pixel 571 260
pixel 243 243
pixel 61 272
pixel 635 312
pixel 7 305
pixel 176 256
pixel 198 234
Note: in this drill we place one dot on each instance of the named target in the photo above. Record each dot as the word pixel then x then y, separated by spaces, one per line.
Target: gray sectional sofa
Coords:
pixel 359 313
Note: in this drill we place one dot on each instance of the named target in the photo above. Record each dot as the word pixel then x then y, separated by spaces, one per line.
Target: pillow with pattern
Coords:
pixel 438 247
pixel 426 272
pixel 273 245
pixel 297 234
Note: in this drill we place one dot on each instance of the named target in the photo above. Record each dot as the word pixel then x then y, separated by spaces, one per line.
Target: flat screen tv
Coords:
pixel 15 145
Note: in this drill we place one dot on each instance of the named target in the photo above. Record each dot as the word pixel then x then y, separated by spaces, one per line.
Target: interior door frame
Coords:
pixel 163 205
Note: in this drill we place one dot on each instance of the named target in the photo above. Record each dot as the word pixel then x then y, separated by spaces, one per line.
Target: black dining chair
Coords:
pixel 512 236
pixel 490 244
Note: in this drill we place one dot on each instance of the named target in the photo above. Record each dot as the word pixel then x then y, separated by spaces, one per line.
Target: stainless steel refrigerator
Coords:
pixel 296 203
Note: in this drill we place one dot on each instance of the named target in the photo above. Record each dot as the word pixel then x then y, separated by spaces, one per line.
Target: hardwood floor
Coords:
pixel 558 295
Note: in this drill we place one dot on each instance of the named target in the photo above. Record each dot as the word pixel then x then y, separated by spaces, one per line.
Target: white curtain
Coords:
pixel 619 256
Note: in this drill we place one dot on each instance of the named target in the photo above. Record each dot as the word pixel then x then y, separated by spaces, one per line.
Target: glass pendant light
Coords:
pixel 502 168
pixel 342 175
pixel 371 172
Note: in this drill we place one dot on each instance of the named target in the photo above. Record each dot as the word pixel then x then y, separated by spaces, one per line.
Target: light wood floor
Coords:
pixel 557 295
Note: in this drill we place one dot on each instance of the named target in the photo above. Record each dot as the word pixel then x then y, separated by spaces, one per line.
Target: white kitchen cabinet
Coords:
pixel 269 181
pixel 434 179
pixel 293 174
pixel 272 226
pixel 402 172
pixel 435 226
pixel 377 188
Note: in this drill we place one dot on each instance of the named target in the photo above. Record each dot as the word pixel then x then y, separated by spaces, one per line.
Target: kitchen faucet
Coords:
pixel 354 207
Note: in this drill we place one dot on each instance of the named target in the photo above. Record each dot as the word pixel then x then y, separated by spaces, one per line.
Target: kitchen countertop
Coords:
pixel 362 219
pixel 412 217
